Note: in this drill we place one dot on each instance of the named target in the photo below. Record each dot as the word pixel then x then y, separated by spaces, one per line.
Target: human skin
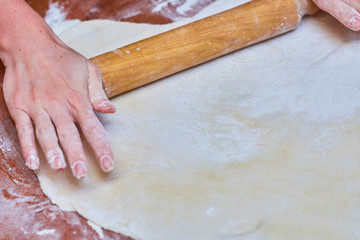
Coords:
pixel 49 87
pixel 346 11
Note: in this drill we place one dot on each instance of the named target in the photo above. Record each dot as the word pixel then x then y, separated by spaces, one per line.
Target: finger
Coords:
pixel 70 140
pixel 25 132
pixel 98 98
pixel 48 140
pixel 353 3
pixel 341 11
pixel 96 136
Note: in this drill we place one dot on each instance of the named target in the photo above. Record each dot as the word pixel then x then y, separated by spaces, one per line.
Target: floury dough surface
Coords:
pixel 260 144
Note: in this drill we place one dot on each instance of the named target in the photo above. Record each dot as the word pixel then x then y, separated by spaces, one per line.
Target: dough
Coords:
pixel 260 144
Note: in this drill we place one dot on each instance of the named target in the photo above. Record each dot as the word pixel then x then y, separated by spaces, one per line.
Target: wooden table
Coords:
pixel 26 213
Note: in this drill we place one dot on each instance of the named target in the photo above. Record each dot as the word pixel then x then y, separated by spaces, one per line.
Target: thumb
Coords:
pixel 98 98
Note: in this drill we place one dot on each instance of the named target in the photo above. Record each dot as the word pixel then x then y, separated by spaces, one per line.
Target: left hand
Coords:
pixel 49 87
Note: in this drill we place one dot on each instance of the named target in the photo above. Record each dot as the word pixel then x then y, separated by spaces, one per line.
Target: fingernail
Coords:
pixel 56 159
pixel 79 169
pixel 32 162
pixel 109 107
pixel 107 163
pixel 59 164
pixel 354 22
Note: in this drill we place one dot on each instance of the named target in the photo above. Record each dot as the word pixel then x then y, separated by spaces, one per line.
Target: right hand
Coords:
pixel 346 11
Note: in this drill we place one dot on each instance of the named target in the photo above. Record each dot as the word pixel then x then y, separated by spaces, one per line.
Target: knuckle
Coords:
pixel 75 97
pixel 89 119
pixel 50 95
pixel 24 130
pixel 97 97
pixel 28 150
pixel 89 131
pixel 72 145
pixel 67 132
pixel 46 134
pixel 75 155
pixel 92 127
pixel 27 147
pixel 86 112
pixel 322 4
pixel 78 101
pixel 16 101
pixel 35 94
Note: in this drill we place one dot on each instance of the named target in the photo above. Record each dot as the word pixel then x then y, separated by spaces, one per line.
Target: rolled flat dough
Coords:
pixel 260 144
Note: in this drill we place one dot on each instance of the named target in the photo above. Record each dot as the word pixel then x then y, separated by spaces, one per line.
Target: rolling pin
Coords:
pixel 159 56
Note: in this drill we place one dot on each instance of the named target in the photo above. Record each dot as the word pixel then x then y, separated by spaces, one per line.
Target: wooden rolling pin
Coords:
pixel 154 58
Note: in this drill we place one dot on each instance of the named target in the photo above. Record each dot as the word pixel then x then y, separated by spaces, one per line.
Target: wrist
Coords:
pixel 22 28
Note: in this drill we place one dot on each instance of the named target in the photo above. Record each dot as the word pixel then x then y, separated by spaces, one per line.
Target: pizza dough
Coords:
pixel 260 144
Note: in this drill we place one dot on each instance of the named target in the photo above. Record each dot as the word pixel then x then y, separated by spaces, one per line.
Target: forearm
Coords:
pixel 20 26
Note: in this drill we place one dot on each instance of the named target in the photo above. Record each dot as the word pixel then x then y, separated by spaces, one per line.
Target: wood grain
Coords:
pixel 120 11
pixel 154 58
pixel 138 11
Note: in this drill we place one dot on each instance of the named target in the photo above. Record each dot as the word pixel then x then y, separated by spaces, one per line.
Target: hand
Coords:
pixel 50 87
pixel 346 11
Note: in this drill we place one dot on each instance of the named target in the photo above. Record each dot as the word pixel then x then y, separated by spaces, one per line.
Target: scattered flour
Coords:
pixel 160 5
pixel 187 6
pixel 55 14
pixel 293 101
pixel 46 231
pixel 55 17
pixel 6 145
pixel 182 7
pixel 131 14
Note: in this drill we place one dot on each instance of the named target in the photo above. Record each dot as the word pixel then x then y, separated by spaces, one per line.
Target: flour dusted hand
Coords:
pixel 48 88
pixel 346 11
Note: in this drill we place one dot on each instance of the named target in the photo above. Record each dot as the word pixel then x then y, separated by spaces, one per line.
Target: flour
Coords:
pixel 6 144
pixel 160 5
pixel 46 232
pixel 131 14
pixel 55 14
pixel 256 145
pixel 187 6
pixel 182 7
pixel 55 17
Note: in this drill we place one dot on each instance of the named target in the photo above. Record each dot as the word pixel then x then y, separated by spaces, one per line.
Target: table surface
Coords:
pixel 26 213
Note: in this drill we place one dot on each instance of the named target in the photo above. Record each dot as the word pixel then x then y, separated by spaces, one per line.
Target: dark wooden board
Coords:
pixel 26 213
